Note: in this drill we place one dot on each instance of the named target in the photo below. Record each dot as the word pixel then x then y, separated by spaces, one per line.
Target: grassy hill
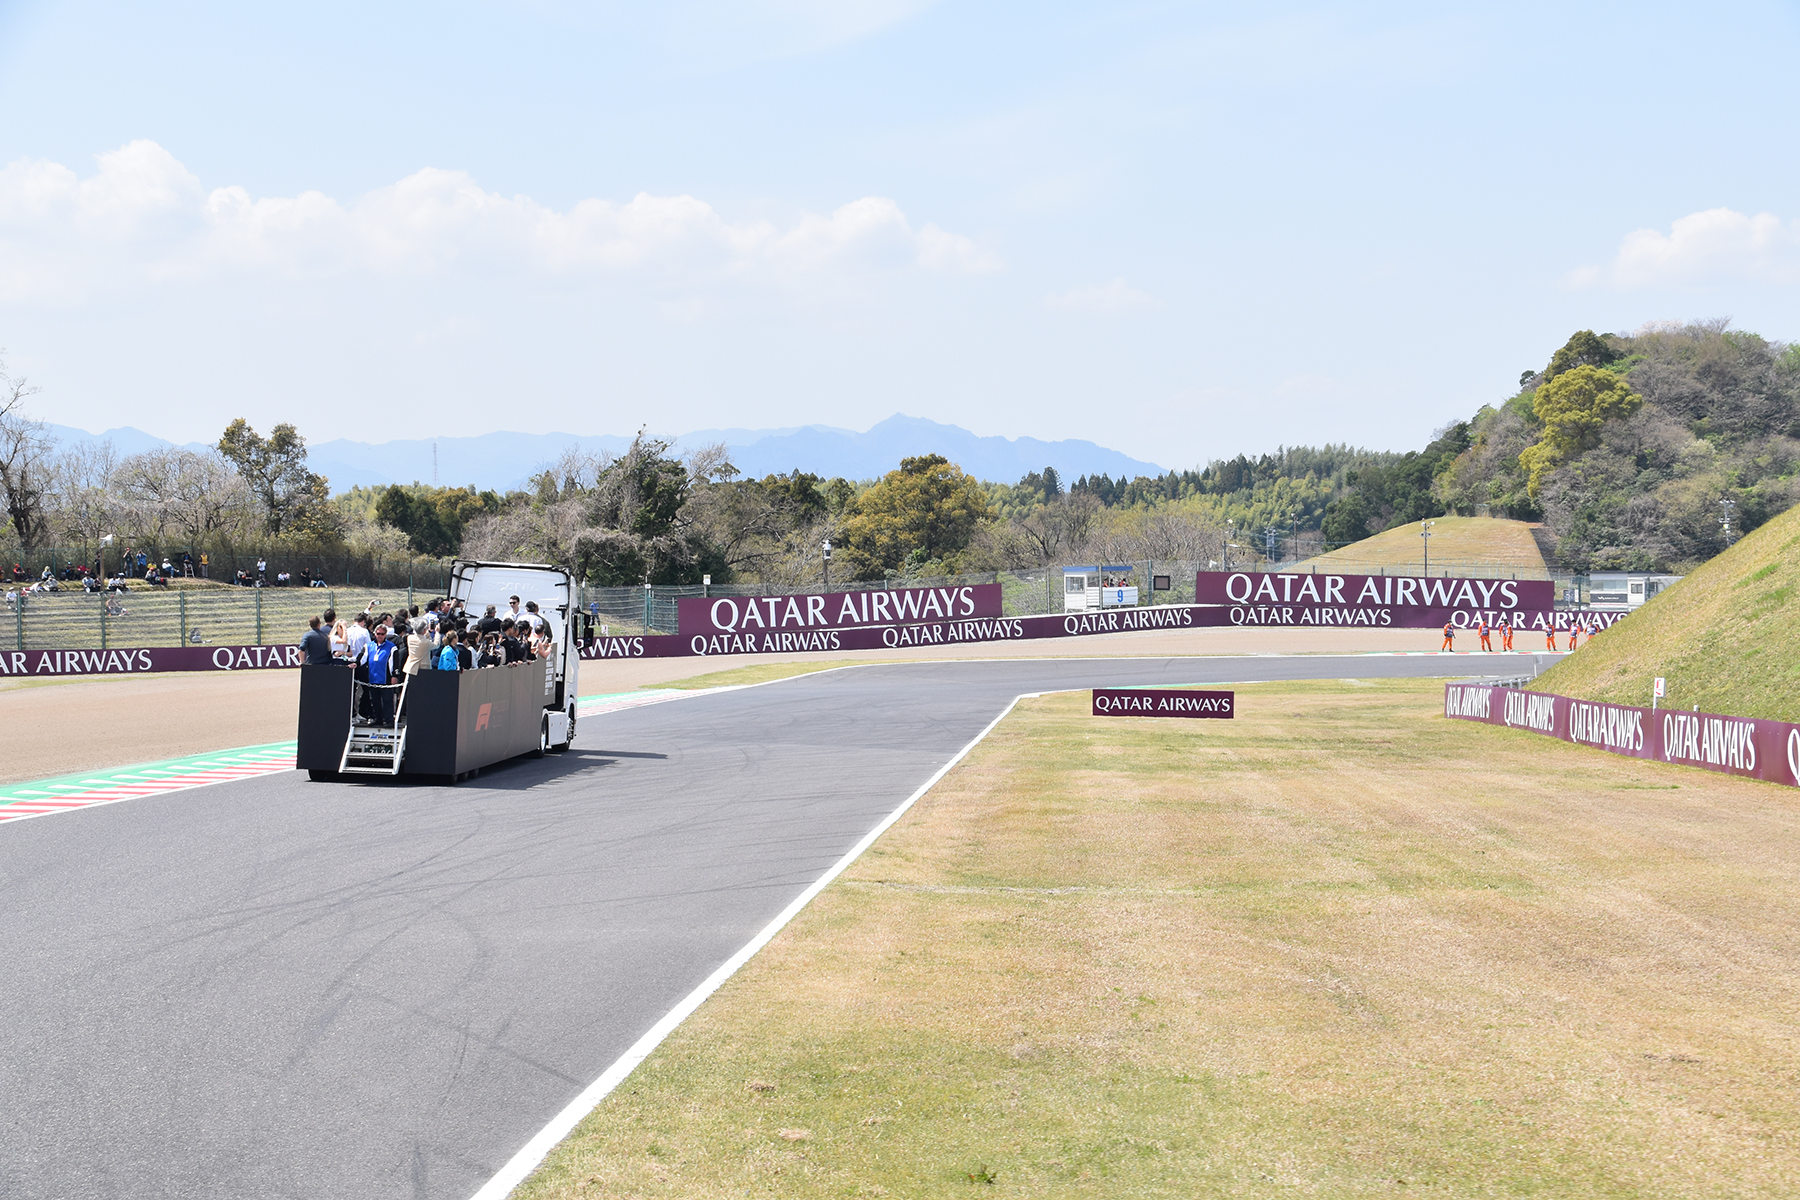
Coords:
pixel 1461 545
pixel 1725 637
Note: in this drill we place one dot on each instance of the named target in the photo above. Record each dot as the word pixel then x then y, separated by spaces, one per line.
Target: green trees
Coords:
pixel 432 518
pixel 927 511
pixel 1572 407
pixel 1585 349
pixel 1384 495
pixel 294 500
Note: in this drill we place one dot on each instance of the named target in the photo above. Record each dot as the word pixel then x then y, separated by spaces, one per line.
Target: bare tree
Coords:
pixel 193 495
pixel 25 449
pixel 86 509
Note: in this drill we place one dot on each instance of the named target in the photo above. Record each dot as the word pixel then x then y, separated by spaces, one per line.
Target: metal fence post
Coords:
pixel 182 597
pixel 259 616
pixel 103 624
pixel 19 620
pixel 646 608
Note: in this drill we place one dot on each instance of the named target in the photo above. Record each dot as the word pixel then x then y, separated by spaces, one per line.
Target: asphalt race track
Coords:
pixel 276 988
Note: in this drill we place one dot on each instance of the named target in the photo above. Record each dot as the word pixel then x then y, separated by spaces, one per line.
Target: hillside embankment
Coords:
pixel 1482 546
pixel 1724 638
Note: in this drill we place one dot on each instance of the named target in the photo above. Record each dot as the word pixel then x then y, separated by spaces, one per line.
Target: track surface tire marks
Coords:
pixel 274 988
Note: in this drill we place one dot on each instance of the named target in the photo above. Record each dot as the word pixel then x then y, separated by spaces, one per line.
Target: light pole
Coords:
pixel 827 544
pixel 1425 534
pixel 1725 507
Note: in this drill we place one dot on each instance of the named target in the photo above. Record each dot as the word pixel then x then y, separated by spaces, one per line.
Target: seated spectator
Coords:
pixel 195 637
pixel 90 585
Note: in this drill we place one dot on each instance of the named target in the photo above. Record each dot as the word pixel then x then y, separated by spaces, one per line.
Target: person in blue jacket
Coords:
pixel 379 658
pixel 447 656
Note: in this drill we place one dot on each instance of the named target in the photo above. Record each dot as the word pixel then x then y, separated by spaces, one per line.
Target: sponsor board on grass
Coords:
pixel 1383 601
pixel 146 660
pixel 1745 746
pixel 1160 702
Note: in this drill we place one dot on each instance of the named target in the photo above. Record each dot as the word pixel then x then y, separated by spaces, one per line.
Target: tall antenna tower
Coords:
pixel 434 482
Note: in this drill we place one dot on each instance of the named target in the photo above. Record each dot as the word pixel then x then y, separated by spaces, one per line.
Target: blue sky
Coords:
pixel 1182 230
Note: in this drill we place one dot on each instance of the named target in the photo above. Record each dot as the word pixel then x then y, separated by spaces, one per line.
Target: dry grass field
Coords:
pixel 1485 546
pixel 1340 946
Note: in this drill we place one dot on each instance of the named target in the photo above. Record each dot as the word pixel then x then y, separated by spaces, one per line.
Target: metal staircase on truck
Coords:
pixel 376 749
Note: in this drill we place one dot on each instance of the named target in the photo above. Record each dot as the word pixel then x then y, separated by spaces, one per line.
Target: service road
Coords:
pixel 277 988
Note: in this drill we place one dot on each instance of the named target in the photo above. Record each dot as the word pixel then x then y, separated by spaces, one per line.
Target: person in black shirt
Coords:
pixel 489 622
pixel 510 643
pixel 315 646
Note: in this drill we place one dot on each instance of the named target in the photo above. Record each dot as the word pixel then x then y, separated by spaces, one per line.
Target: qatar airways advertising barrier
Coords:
pixel 1731 745
pixel 146 660
pixel 752 616
pixel 1376 601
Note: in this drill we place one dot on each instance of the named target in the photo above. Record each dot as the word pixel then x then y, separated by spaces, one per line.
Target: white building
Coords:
pixel 1625 589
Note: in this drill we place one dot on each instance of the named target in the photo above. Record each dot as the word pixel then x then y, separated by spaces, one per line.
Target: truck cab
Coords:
pixel 479 584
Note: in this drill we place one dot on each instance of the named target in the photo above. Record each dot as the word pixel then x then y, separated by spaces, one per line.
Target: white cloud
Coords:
pixel 1115 296
pixel 143 218
pixel 1717 246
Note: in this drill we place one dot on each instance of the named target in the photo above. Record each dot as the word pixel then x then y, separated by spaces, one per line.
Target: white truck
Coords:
pixel 450 724
pixel 479 584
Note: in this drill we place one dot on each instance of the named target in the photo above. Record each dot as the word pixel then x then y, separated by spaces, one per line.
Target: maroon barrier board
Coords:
pixel 140 661
pixel 1380 601
pixel 930 633
pixel 1164 702
pixel 757 615
pixel 1733 745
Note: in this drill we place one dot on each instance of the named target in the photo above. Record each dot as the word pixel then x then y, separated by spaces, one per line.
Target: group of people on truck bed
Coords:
pixel 442 637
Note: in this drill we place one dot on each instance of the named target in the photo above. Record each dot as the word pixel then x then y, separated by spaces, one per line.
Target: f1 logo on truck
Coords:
pixel 481 717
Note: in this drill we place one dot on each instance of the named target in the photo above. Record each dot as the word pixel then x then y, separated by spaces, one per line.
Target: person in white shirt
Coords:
pixel 513 610
pixel 358 639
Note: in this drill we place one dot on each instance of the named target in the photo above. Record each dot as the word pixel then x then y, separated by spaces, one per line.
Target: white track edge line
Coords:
pixel 533 1153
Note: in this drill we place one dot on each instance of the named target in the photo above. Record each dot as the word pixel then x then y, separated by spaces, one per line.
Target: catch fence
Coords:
pixel 231 616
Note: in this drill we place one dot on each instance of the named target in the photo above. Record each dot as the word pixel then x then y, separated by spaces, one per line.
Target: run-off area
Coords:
pixel 1339 945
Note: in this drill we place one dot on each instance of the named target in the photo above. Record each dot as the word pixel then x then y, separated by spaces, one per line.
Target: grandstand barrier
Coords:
pixel 1750 747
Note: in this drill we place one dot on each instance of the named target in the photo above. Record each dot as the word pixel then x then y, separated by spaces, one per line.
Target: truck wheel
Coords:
pixel 318 776
pixel 561 747
pixel 543 738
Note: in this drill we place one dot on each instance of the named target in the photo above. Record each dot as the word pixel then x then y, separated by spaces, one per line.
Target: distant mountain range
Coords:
pixel 507 460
